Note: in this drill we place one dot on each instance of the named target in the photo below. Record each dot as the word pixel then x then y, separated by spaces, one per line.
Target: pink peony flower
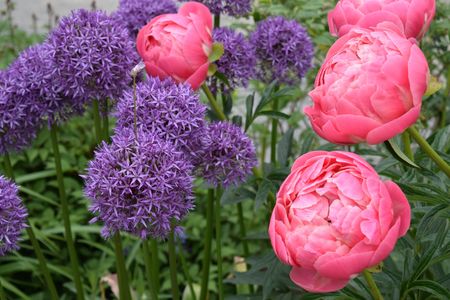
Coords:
pixel 369 88
pixel 333 218
pixel 178 45
pixel 413 17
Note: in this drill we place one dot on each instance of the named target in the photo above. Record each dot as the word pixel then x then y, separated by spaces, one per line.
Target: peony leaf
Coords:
pixel 216 52
pixel 433 86
pixel 398 154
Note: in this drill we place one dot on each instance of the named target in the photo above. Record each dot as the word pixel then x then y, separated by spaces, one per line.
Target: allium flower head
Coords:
pixel 94 55
pixel 284 50
pixel 12 216
pixel 172 111
pixel 238 60
pixel 139 184
pixel 235 8
pixel 19 120
pixel 134 14
pixel 229 155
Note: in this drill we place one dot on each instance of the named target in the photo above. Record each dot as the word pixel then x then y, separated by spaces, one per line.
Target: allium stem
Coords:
pixel 243 234
pixel 186 272
pixel 212 101
pixel 34 242
pixel 155 263
pixel 65 215
pixel 207 245
pixel 105 119
pixel 173 266
pixel 372 286
pixel 97 122
pixel 274 135
pixel 219 244
pixel 122 275
pixel 429 150
pixel 151 278
pixel 217 20
pixel 2 292
pixel 407 145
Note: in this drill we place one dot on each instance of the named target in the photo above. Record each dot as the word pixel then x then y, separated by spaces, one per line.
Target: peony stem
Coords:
pixel 155 263
pixel 65 214
pixel 34 242
pixel 186 272
pixel 122 275
pixel 429 150
pixel 407 145
pixel 273 142
pixel 372 285
pixel 212 101
pixel 207 250
pixel 173 265
pixel 97 122
pixel 149 268
pixel 219 244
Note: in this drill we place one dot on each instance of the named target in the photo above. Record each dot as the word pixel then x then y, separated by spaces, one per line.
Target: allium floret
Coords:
pixel 229 155
pixel 94 55
pixel 172 111
pixel 12 216
pixel 284 50
pixel 238 60
pixel 139 184
pixel 235 8
pixel 134 14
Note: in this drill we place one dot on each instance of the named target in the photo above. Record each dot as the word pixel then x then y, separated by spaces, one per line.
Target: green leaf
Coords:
pixel 38 196
pixel 263 192
pixel 13 289
pixel 216 52
pixel 433 86
pixel 249 102
pixel 236 195
pixel 212 69
pixel 398 154
pixel 274 114
pixel 284 147
pixel 37 175
pixel 429 286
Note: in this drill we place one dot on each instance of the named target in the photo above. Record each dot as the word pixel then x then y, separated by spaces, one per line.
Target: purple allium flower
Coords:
pixel 139 184
pixel 94 55
pixel 134 14
pixel 235 8
pixel 172 111
pixel 229 155
pixel 39 80
pixel 284 50
pixel 238 60
pixel 12 216
pixel 19 120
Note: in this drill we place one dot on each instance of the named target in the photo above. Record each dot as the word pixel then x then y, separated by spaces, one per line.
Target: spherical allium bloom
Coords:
pixel 369 88
pixel 235 8
pixel 171 111
pixel 12 216
pixel 94 55
pixel 39 81
pixel 178 45
pixel 138 184
pixel 228 157
pixel 412 17
pixel 284 50
pixel 335 217
pixel 238 60
pixel 19 120
pixel 134 14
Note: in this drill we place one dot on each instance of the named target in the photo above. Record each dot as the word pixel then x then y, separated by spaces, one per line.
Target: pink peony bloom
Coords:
pixel 333 218
pixel 178 45
pixel 413 17
pixel 369 88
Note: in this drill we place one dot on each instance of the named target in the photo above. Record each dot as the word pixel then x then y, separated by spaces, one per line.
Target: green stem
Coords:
pixel 155 263
pixel 2 291
pixel 407 145
pixel 207 244
pixel 34 242
pixel 273 142
pixel 173 266
pixel 372 285
pixel 212 101
pixel 149 268
pixel 429 150
pixel 97 120
pixel 186 272
pixel 105 119
pixel 219 245
pixel 122 275
pixel 216 20
pixel 243 234
pixel 66 215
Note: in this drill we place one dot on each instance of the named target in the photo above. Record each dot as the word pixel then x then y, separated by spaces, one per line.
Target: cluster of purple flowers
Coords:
pixel 235 8
pixel 12 216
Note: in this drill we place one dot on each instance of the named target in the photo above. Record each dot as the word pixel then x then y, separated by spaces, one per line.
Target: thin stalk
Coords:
pixel 105 119
pixel 207 244
pixel 34 242
pixel 243 234
pixel 372 285
pixel 216 20
pixel 407 145
pixel 429 150
pixel 186 272
pixel 122 275
pixel 65 215
pixel 148 268
pixel 219 246
pixel 263 149
pixel 2 291
pixel 173 266
pixel 97 120
pixel 155 263
pixel 212 101
pixel 274 135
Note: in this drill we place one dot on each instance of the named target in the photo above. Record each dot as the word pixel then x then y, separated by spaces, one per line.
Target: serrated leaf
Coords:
pixel 395 150
pixel 216 52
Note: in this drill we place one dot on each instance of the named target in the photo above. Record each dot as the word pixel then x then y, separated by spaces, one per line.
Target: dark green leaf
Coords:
pixel 398 154
pixel 284 147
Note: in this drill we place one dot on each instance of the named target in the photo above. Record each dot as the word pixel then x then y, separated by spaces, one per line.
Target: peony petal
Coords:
pixel 197 79
pixel 387 245
pixel 313 282
pixel 198 9
pixel 400 206
pixel 343 267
